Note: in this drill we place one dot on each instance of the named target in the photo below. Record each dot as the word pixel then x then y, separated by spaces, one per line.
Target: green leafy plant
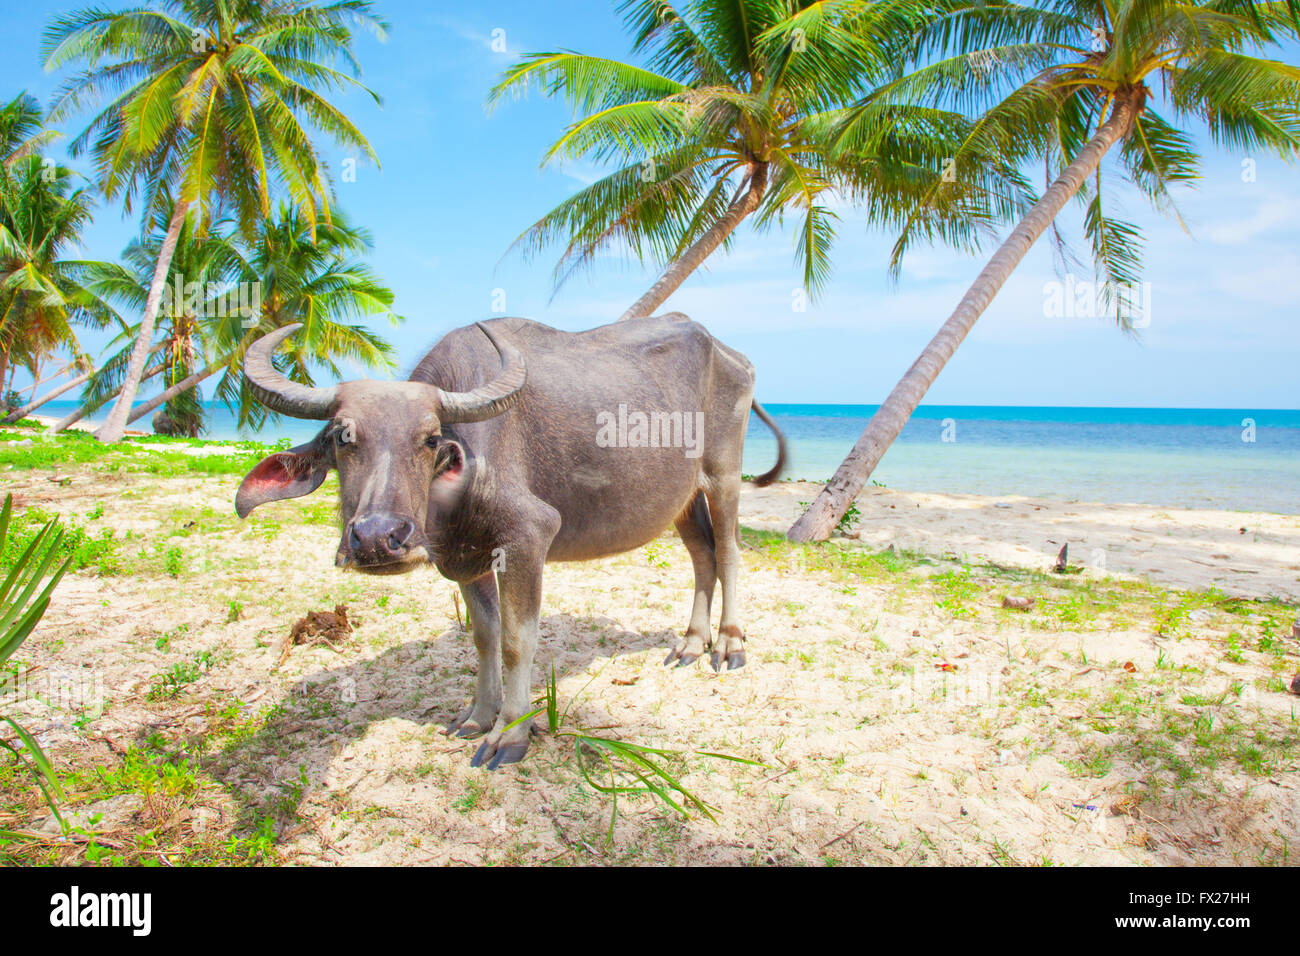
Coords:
pixel 657 553
pixel 21 608
pixel 845 524
pixel 168 685
pixel 633 769
pixel 174 562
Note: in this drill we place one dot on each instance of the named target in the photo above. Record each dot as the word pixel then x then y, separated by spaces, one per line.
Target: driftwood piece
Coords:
pixel 1062 559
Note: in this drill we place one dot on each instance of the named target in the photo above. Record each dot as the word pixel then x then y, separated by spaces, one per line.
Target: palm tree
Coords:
pixel 736 114
pixel 28 211
pixel 292 272
pixel 204 264
pixel 22 130
pixel 42 216
pixel 313 276
pixel 215 101
pixel 1064 84
pixel 95 396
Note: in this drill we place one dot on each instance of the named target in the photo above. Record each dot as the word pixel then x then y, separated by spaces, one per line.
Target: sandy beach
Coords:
pixel 1248 554
pixel 1137 713
pixel 1243 553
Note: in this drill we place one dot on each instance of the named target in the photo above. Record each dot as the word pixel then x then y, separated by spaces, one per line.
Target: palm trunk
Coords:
pixel 824 513
pixel 4 373
pixel 694 257
pixel 38 382
pixel 173 390
pixel 115 425
pixel 47 397
pixel 74 417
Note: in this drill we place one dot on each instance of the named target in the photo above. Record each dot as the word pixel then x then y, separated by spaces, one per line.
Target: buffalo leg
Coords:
pixel 724 506
pixel 521 598
pixel 520 584
pixel 696 532
pixel 485 618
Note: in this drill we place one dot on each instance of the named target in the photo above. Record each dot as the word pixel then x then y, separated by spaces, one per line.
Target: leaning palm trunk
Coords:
pixel 190 381
pixel 47 397
pixel 183 385
pixel 48 378
pixel 73 417
pixel 824 513
pixel 694 257
pixel 115 425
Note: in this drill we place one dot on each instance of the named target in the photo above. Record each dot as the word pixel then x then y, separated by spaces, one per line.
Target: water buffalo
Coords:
pixel 514 444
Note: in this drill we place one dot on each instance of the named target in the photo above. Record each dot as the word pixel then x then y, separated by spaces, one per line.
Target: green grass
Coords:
pixel 624 768
pixel 845 562
pixel 170 785
pixel 153 455
pixel 956 592
pixel 85 548
pixel 1174 727
pixel 146 771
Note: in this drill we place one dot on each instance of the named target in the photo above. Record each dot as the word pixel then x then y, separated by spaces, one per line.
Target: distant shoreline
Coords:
pixel 1221 459
pixel 1244 552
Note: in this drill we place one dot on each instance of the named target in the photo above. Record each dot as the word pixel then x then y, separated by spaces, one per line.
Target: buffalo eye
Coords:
pixel 433 440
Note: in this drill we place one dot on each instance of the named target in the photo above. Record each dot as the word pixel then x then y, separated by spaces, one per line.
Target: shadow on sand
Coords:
pixel 424 683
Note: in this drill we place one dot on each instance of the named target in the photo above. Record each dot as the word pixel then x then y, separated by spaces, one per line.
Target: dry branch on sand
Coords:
pixel 330 628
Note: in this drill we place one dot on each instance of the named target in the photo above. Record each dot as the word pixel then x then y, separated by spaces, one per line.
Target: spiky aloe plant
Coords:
pixel 21 608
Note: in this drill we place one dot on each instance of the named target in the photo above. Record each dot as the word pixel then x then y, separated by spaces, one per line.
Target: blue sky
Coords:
pixel 458 184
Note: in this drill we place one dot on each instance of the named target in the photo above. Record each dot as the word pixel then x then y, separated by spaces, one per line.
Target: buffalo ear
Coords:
pixel 286 474
pixel 448 474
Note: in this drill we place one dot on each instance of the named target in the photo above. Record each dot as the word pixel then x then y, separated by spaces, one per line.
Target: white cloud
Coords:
pixel 1268 215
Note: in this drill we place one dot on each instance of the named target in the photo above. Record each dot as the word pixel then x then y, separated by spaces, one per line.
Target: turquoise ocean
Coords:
pixel 1233 459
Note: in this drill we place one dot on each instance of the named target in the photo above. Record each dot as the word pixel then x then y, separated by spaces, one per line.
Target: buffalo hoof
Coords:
pixel 469 723
pixel 729 662
pixel 500 749
pixel 729 649
pixel 683 660
pixel 507 753
pixel 687 652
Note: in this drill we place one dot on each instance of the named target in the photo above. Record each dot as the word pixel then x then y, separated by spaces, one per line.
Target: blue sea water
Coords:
pixel 1234 459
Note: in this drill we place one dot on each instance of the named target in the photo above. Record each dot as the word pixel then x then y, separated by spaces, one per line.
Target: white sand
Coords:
pixel 895 725
pixel 1244 553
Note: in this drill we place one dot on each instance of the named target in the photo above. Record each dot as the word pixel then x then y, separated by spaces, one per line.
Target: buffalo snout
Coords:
pixel 379 539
